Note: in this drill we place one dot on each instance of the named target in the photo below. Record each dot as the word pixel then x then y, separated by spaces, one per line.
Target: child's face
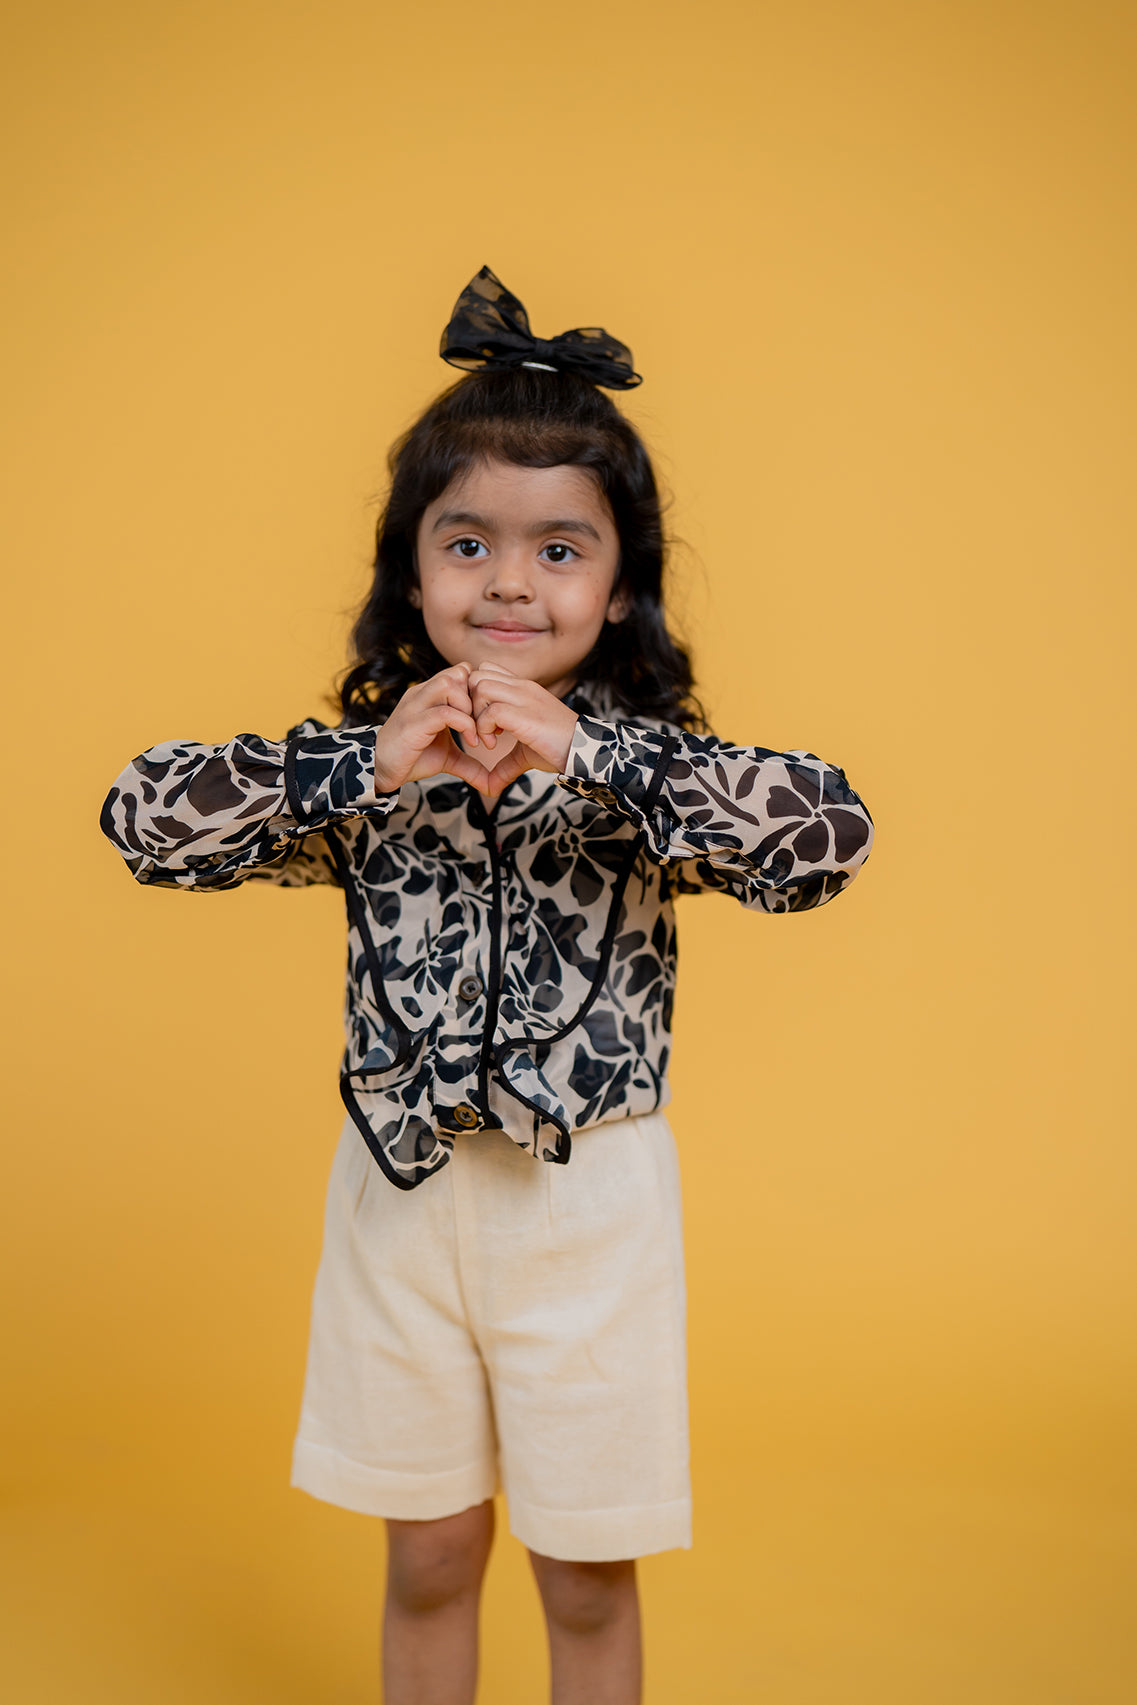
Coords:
pixel 518 566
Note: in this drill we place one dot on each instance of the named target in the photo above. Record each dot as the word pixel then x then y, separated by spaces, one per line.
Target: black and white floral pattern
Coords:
pixel 509 967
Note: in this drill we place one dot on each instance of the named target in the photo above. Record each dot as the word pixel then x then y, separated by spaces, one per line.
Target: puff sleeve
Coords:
pixel 187 815
pixel 780 831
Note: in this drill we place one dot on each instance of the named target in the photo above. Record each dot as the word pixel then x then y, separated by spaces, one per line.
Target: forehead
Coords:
pixel 504 492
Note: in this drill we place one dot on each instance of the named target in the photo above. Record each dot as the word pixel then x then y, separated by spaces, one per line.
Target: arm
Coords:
pixel 185 815
pixel 781 831
pixel 190 816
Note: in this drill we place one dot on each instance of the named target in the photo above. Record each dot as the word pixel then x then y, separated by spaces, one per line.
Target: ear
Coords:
pixel 619 604
pixel 414 597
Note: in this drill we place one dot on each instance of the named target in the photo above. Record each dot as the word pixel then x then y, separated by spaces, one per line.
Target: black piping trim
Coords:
pixel 564 1141
pixel 600 974
pixel 659 774
pixel 378 1153
pixel 291 785
pixel 375 969
pixel 488 826
pixel 608 941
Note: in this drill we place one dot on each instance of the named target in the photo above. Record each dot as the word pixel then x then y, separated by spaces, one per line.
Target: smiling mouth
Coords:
pixel 508 630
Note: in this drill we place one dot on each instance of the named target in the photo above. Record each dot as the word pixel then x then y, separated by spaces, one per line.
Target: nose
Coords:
pixel 511 577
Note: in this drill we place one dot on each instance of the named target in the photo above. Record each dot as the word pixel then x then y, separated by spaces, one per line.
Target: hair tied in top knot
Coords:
pixel 489 328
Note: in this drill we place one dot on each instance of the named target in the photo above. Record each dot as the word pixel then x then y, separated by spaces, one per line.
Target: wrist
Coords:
pixel 382 779
pixel 563 731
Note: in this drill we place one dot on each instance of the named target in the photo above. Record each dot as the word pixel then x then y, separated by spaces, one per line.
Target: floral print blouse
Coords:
pixel 508 967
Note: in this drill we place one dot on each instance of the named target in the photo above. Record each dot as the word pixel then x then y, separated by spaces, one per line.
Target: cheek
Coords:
pixel 582 605
pixel 443 598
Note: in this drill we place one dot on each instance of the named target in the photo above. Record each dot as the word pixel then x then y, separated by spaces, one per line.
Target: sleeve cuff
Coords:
pixel 616 764
pixel 330 776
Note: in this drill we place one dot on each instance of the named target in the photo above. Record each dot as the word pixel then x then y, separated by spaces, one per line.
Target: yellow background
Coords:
pixel 876 261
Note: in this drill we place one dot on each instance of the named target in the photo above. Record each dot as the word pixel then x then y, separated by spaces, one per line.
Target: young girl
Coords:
pixel 517 789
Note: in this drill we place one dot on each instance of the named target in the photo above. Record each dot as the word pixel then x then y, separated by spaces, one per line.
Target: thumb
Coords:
pixel 467 769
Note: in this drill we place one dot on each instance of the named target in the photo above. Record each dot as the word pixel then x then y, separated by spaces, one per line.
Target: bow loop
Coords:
pixel 489 328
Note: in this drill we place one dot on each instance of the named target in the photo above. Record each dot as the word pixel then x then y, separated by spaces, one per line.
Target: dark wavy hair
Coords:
pixel 534 419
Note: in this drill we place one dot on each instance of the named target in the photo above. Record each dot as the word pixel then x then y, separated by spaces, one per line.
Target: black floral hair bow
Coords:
pixel 490 328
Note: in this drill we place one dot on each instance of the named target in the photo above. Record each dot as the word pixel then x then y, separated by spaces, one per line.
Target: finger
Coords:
pixel 481 679
pixel 503 701
pixel 491 674
pixel 499 678
pixel 426 699
pixel 487 719
pixel 461 700
pixel 497 717
pixel 445 715
pixel 449 688
pixel 450 759
pixel 467 769
pixel 451 680
pixel 454 675
pixel 488 731
pixel 467 709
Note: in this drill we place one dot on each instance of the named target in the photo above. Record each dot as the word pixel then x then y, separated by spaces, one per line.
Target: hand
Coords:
pixel 541 725
pixel 416 739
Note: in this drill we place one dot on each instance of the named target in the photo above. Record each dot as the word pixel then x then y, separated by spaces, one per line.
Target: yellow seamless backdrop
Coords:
pixel 876 263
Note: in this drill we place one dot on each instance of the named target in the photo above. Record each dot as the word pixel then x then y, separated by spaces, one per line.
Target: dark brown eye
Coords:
pixel 559 553
pixel 468 548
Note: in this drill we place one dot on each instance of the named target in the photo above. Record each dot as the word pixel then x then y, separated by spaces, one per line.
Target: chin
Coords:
pixel 518 654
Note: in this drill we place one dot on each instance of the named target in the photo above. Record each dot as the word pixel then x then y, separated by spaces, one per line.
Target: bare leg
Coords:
pixel 430 1622
pixel 593 1616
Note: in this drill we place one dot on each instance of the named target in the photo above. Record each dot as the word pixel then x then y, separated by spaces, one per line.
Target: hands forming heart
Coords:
pixel 478 705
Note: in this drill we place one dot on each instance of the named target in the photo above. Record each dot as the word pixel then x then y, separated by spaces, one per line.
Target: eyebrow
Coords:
pixel 562 524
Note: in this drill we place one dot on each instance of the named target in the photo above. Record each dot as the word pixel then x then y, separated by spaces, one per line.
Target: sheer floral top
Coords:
pixel 508 967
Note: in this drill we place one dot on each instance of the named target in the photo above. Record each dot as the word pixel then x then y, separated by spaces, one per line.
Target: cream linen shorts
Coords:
pixel 507 1325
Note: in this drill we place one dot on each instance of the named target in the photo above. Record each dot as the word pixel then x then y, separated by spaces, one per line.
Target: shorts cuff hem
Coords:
pixel 323 1473
pixel 602 1536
